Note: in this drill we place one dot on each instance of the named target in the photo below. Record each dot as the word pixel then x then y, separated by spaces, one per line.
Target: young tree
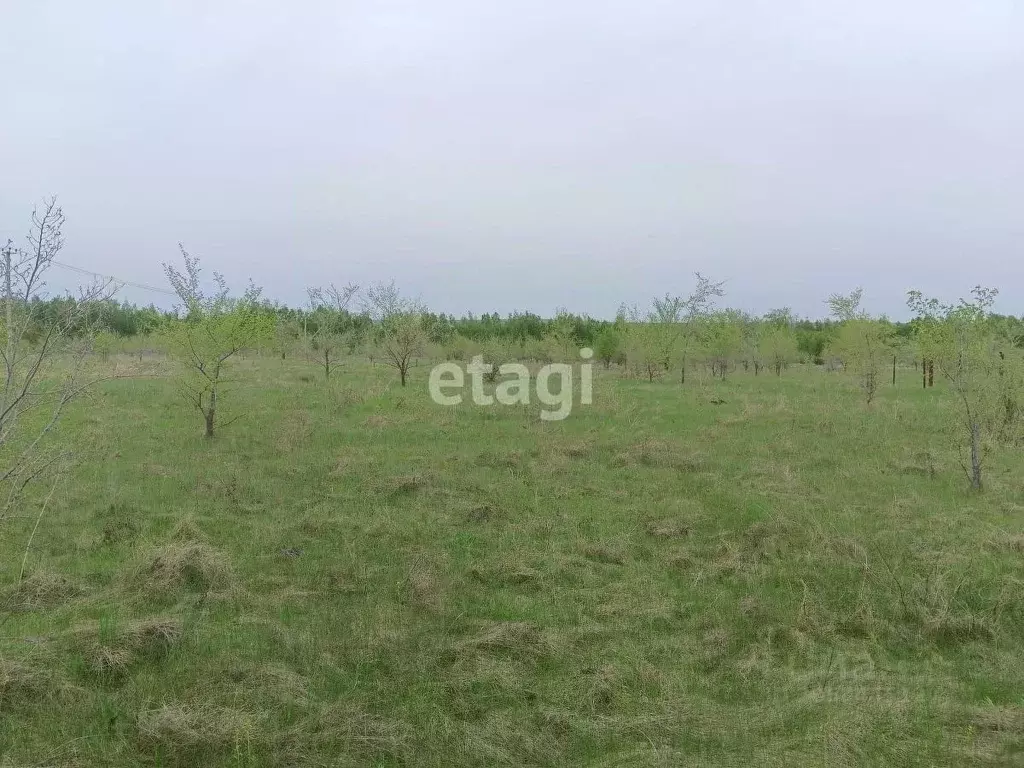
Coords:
pixel 213 330
pixel 287 332
pixel 722 341
pixel 686 318
pixel 43 348
pixel 983 369
pixel 398 324
pixel 863 343
pixel 647 341
pixel 777 343
pixel 335 330
pixel 777 347
pixel 560 340
pixel 607 345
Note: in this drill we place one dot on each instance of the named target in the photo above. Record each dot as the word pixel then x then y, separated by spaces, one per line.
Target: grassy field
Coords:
pixel 353 575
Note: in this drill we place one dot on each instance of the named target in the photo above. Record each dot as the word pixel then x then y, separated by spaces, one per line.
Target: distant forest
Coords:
pixel 126 320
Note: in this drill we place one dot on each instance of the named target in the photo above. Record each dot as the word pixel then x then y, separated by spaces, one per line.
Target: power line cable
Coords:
pixel 118 280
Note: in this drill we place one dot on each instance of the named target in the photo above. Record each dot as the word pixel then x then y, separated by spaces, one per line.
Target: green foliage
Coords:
pixel 722 341
pixel 784 578
pixel 777 347
pixel 983 365
pixel 607 345
pixel 863 344
pixel 213 330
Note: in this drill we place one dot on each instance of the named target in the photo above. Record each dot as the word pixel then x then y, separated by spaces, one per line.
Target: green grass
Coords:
pixel 352 575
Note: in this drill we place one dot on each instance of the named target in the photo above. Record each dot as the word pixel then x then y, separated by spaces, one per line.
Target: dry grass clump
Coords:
pixel 998 732
pixel 424 588
pixel 654 452
pixel 187 529
pixel 183 565
pixel 1007 542
pixel 121 523
pixel 360 737
pixel 521 639
pixel 21 684
pixel 511 573
pixel 610 554
pixel 378 421
pixel 1008 719
pixel 112 654
pixel 120 529
pixel 482 513
pixel 272 680
pixel 499 460
pixel 41 590
pixel 502 738
pixel 195 735
pixel 405 484
pixel 668 529
pixel 578 449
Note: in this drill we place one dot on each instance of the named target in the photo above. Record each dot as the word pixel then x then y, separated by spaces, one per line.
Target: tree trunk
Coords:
pixel 682 371
pixel 894 370
pixel 924 375
pixel 975 456
pixel 401 374
pixel 210 413
pixel 931 373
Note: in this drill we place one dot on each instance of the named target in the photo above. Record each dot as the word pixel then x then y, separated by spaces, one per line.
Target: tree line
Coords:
pixel 126 320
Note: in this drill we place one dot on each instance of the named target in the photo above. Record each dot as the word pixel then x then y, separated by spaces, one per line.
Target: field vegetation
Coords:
pixel 253 539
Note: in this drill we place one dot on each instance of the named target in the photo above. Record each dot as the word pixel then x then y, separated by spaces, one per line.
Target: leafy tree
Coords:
pixel 777 347
pixel 723 338
pixel 335 332
pixel 400 332
pixel 685 318
pixel 983 367
pixel 648 342
pixel 863 343
pixel 607 345
pixel 561 337
pixel 287 332
pixel 213 330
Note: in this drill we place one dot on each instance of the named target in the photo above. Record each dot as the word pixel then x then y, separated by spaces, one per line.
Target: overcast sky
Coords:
pixel 530 154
